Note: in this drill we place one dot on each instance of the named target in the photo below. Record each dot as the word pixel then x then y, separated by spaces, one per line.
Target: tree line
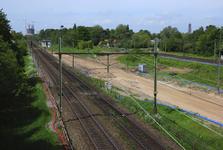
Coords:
pixel 200 42
pixel 13 83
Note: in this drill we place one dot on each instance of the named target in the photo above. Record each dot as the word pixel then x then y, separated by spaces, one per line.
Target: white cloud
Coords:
pixel 97 22
pixel 139 22
pixel 162 22
pixel 156 16
pixel 165 14
pixel 106 21
pixel 150 22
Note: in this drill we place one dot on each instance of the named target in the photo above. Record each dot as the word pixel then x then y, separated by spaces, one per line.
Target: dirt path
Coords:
pixel 207 105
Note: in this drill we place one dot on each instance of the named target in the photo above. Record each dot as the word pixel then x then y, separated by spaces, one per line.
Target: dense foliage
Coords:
pixel 200 42
pixel 12 51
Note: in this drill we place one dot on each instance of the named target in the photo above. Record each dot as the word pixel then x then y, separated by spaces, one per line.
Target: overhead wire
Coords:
pixel 175 75
pixel 140 105
pixel 185 114
pixel 164 102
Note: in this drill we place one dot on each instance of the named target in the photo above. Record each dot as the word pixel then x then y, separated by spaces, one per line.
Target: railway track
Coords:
pixel 144 140
pixel 95 132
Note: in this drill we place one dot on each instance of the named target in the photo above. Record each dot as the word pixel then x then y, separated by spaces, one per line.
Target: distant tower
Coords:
pixel 189 29
pixel 30 29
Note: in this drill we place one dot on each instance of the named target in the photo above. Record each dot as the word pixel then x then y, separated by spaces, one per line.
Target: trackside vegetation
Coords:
pixel 26 126
pixel 171 116
pixel 200 73
pixel 23 111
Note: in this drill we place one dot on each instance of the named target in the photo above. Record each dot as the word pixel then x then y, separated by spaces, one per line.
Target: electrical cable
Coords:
pixel 166 103
pixel 143 108
pixel 177 75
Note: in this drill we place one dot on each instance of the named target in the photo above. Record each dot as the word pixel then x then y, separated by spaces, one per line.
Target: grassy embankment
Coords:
pixel 200 73
pixel 27 126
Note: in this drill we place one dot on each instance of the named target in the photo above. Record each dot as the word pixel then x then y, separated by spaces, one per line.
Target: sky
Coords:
pixel 151 15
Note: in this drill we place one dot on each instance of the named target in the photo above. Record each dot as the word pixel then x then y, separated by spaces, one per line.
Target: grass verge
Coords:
pixel 25 126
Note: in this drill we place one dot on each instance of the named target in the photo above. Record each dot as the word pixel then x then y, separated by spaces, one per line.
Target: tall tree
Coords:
pixel 120 31
pixel 7 37
pixel 168 31
pixel 41 34
pixel 96 32
pixel 83 33
pixel 75 27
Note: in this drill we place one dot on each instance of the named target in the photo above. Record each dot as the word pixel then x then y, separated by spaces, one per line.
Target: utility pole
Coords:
pixel 183 48
pixel 214 49
pixel 148 45
pixel 165 45
pixel 73 52
pixel 127 49
pixel 107 63
pixel 155 75
pixel 38 55
pixel 60 82
pixel 219 64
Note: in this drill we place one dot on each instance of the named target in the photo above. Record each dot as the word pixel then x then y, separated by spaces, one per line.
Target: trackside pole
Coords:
pixel 60 66
pixel 155 74
pixel 73 52
pixel 214 49
pixel 38 55
pixel 107 63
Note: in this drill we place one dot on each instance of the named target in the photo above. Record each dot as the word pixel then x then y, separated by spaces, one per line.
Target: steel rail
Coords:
pixel 158 144
pixel 115 109
pixel 71 106
pixel 84 108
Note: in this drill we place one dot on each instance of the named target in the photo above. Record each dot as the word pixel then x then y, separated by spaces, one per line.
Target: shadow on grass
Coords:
pixel 22 126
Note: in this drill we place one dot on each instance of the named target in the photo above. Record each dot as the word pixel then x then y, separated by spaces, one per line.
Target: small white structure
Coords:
pixel 142 68
pixel 45 43
pixel 108 85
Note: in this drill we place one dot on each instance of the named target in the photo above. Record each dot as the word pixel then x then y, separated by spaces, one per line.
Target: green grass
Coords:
pixel 201 73
pixel 174 118
pixel 25 126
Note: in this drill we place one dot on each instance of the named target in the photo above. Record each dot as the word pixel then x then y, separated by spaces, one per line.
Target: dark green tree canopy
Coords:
pixel 74 27
pixel 120 31
pixel 168 31
pixel 83 33
pixel 5 27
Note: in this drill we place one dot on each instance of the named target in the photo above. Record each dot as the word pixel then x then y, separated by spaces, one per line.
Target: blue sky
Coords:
pixel 152 15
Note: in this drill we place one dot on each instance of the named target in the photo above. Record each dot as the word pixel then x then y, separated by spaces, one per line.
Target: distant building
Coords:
pixel 189 29
pixel 38 31
pixel 30 29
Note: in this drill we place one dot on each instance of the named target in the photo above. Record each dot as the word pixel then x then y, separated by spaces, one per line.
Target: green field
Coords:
pixel 200 73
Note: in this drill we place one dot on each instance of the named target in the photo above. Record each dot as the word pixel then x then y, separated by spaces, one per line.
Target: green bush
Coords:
pixel 85 44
